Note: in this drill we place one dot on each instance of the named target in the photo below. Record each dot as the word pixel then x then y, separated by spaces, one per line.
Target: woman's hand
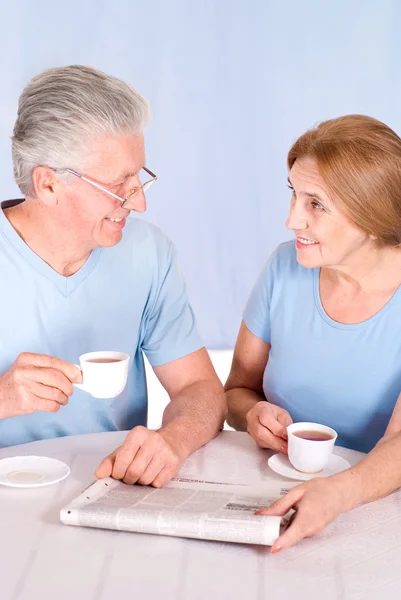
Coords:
pixel 317 502
pixel 267 424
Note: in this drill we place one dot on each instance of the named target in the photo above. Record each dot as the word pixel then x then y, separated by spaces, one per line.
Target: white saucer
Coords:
pixel 280 464
pixel 32 471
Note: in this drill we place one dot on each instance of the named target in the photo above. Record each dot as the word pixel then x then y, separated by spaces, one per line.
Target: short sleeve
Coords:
pixel 169 328
pixel 257 310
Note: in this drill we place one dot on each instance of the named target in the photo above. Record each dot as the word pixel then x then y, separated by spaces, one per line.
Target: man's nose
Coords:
pixel 137 202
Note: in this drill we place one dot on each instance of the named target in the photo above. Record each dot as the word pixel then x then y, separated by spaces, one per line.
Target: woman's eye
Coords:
pixel 317 205
pixel 291 188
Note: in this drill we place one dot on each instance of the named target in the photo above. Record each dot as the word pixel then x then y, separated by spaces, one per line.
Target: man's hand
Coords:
pixel 146 457
pixel 267 424
pixel 36 382
pixel 317 502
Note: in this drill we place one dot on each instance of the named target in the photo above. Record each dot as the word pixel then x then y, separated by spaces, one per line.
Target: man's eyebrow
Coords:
pixel 119 179
pixel 125 176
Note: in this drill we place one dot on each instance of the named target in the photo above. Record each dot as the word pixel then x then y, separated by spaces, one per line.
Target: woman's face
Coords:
pixel 325 236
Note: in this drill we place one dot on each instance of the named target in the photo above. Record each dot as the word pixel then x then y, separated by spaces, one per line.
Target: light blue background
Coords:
pixel 231 85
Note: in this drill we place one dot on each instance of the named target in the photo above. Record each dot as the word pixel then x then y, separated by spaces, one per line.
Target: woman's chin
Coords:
pixel 309 262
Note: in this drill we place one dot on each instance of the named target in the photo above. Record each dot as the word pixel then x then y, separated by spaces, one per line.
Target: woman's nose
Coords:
pixel 296 217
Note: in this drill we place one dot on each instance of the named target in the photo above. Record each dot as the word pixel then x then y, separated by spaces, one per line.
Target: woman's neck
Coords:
pixel 375 271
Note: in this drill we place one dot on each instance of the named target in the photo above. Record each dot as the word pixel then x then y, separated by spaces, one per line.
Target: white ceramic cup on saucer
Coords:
pixel 310 446
pixel 104 374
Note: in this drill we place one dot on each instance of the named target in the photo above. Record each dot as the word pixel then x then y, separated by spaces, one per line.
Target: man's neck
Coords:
pixel 54 245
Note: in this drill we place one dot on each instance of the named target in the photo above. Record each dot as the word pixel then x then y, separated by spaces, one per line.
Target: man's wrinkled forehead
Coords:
pixel 116 159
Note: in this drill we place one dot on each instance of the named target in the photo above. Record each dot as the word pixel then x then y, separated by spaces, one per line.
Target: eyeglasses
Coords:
pixel 145 186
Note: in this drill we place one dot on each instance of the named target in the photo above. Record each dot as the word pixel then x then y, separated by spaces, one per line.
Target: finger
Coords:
pixel 42 405
pixel 139 464
pixel 69 370
pixel 298 530
pixel 165 475
pixel 106 467
pixel 153 469
pixel 124 457
pixel 48 393
pixel 284 418
pixel 271 423
pixel 266 439
pixel 53 378
pixel 281 506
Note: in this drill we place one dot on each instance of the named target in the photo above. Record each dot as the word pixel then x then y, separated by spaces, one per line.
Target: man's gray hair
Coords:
pixel 61 113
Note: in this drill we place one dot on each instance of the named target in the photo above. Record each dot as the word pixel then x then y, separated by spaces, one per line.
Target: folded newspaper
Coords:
pixel 189 508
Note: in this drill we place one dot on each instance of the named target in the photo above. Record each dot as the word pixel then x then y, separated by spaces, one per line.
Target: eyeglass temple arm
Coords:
pixel 96 185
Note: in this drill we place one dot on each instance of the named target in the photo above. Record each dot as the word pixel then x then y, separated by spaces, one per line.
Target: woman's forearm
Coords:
pixel 240 401
pixel 377 475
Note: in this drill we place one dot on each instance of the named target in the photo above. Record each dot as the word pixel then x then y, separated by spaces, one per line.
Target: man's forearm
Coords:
pixel 194 417
pixel 377 475
pixel 240 401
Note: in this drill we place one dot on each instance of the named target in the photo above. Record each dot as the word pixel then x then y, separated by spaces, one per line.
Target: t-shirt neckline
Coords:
pixel 66 285
pixel 338 325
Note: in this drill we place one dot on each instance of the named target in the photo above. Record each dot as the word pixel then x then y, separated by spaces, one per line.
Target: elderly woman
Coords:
pixel 320 339
pixel 78 276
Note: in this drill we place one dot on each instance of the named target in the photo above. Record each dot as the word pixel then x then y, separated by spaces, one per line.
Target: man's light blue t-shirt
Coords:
pixel 344 376
pixel 129 298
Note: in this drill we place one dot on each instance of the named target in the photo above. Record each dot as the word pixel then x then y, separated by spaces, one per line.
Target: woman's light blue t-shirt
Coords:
pixel 344 376
pixel 130 298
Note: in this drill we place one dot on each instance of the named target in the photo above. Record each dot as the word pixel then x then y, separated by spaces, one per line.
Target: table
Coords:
pixel 358 556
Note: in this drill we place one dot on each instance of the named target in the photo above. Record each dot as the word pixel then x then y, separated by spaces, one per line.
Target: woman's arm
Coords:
pixel 321 500
pixel 394 425
pixel 244 386
pixel 247 406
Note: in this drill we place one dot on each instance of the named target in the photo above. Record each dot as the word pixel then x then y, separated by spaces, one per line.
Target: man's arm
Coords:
pixel 198 407
pixel 194 416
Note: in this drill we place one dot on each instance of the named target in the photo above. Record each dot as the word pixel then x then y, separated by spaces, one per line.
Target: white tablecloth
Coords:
pixel 358 556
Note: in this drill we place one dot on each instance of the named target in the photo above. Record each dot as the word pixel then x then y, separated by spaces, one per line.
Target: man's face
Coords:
pixel 94 218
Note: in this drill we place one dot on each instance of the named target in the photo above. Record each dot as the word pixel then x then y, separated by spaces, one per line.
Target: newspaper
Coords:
pixel 185 507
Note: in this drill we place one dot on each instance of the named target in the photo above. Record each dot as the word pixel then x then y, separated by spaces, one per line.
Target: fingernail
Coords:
pixel 260 512
pixel 284 449
pixel 276 549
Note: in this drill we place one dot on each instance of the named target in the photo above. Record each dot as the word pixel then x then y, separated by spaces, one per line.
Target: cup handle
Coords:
pixel 79 385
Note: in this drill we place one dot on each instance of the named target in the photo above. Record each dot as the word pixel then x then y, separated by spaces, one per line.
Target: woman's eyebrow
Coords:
pixel 310 195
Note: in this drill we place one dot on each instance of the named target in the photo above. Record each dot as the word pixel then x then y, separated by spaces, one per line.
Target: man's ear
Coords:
pixel 44 184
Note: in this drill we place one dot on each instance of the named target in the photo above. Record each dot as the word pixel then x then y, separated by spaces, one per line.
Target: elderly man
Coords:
pixel 78 275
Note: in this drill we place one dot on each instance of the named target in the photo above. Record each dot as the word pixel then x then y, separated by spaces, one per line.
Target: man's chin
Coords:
pixel 108 241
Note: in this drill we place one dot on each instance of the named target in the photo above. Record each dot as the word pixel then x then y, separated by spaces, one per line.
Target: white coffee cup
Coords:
pixel 310 455
pixel 104 374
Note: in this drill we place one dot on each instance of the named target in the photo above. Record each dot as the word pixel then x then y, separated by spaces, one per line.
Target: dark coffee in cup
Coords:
pixel 103 360
pixel 313 436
